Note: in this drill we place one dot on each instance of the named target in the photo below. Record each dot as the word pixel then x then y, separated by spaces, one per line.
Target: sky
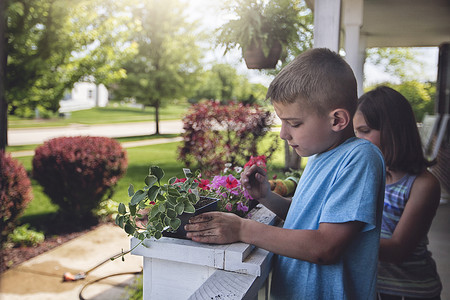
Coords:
pixel 209 13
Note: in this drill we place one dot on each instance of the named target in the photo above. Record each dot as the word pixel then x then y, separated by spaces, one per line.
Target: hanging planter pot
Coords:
pixel 205 204
pixel 256 59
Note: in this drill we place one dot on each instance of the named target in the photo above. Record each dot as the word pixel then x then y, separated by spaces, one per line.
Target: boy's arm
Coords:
pixel 322 246
pixel 276 203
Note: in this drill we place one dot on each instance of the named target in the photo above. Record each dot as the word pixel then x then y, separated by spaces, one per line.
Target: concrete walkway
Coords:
pixel 40 278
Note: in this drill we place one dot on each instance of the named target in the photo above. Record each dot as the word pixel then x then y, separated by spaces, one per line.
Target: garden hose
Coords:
pixel 80 295
pixel 67 276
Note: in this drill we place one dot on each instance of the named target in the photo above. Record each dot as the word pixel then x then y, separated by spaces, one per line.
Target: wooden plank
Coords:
pixel 257 263
pixel 226 285
pixel 181 251
pixel 172 280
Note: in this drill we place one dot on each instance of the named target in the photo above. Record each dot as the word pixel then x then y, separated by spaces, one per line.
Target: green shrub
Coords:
pixel 15 193
pixel 78 172
pixel 22 236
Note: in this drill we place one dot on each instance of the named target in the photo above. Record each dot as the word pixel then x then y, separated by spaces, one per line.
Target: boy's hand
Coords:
pixel 214 227
pixel 254 180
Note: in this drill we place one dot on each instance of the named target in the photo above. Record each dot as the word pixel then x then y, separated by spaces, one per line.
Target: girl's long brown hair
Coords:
pixel 388 111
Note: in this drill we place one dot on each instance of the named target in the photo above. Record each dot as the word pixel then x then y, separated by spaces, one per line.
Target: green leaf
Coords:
pixel 160 197
pixel 158 235
pixel 157 171
pixel 175 223
pixel 192 198
pixel 122 209
pixel 132 209
pixel 189 208
pixel 130 190
pixel 171 213
pixel 179 208
pixel 154 211
pixel 141 236
pixel 150 180
pixel 129 229
pixel 162 207
pixel 167 221
pixel 119 220
pixel 172 180
pixel 138 197
pixel 172 200
pixel 153 192
pixel 173 192
pixel 159 226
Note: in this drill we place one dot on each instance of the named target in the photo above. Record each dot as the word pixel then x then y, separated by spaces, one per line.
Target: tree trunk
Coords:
pixel 3 58
pixel 157 118
pixel 292 160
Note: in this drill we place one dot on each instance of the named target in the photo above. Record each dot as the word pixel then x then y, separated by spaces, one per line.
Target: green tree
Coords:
pixel 419 95
pixel 168 57
pixel 397 62
pixel 51 44
pixel 222 82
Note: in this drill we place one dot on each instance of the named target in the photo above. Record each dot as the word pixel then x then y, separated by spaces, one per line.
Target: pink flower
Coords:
pixel 242 207
pixel 229 206
pixel 217 182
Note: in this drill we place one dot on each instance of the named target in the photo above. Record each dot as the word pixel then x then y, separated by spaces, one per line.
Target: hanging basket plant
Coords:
pixel 256 58
pixel 263 30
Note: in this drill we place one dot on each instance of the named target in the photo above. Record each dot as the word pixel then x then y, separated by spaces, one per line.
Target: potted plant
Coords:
pixel 169 206
pixel 166 205
pixel 262 30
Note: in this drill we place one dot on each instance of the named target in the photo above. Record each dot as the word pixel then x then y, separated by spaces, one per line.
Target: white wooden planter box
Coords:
pixel 183 269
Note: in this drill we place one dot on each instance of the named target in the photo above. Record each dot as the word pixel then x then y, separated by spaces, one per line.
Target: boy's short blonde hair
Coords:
pixel 320 79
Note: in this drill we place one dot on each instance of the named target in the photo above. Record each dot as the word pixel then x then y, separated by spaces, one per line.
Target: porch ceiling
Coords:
pixel 405 23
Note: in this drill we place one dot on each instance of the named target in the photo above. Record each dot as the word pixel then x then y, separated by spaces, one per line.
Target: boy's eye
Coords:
pixel 295 125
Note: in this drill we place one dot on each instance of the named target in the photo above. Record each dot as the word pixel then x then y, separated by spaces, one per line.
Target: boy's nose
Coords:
pixel 284 134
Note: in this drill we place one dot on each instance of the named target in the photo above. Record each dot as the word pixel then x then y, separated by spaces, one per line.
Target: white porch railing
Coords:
pixel 183 269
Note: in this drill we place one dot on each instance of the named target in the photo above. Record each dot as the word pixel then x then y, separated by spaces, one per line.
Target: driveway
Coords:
pixel 33 136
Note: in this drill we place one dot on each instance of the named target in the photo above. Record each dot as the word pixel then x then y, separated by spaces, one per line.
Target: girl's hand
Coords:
pixel 215 228
pixel 254 180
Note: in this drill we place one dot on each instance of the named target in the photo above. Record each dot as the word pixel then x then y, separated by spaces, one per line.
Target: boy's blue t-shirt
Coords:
pixel 341 185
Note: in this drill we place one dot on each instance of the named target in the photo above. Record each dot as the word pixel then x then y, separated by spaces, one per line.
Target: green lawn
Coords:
pixel 139 160
pixel 114 113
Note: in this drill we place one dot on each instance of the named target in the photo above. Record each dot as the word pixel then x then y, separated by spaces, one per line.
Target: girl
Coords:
pixel 406 269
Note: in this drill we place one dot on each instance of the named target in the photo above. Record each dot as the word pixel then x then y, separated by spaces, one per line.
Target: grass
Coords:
pixel 114 113
pixel 139 160
pixel 121 140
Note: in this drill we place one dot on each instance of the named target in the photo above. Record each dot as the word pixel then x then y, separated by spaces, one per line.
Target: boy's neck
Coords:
pixel 343 135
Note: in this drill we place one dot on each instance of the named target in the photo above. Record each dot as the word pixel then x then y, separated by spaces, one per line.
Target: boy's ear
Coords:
pixel 340 119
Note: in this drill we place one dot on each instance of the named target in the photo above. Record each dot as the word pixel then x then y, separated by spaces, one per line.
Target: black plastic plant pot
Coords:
pixel 205 204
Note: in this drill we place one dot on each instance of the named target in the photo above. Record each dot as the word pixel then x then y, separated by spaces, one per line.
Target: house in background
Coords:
pixel 84 95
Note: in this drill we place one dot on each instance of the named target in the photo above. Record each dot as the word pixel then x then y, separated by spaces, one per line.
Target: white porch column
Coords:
pixel 326 24
pixel 354 44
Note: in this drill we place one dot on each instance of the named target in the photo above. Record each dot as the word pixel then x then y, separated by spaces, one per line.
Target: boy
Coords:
pixel 327 248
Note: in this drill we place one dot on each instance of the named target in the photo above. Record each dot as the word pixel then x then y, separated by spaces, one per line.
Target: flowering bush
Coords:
pixel 217 134
pixel 15 193
pixel 78 172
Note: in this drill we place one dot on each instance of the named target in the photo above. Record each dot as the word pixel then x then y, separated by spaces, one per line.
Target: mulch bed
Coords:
pixel 11 257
